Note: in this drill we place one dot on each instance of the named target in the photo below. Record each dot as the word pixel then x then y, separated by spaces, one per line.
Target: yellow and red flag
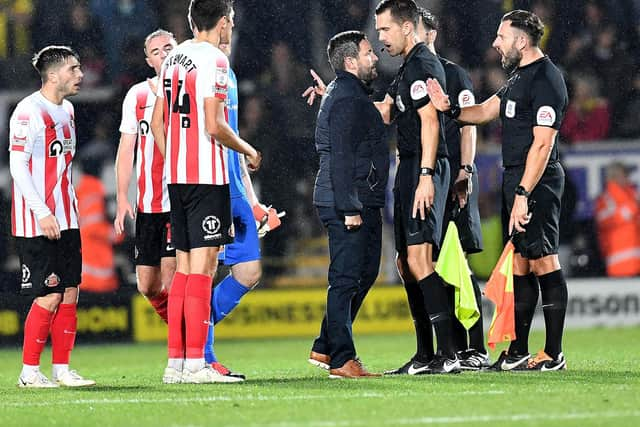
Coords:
pixel 499 290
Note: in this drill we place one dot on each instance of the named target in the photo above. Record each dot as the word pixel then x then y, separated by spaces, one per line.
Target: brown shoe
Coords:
pixel 351 369
pixel 320 360
pixel 363 370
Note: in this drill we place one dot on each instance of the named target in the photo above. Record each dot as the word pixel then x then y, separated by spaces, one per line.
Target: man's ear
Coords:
pixel 523 41
pixel 433 35
pixel 406 28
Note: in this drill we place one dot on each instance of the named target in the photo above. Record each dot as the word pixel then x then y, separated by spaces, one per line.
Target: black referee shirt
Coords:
pixel 409 92
pixel 460 91
pixel 534 95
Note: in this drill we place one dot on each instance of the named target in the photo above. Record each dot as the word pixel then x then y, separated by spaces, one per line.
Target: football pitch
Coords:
pixel 601 387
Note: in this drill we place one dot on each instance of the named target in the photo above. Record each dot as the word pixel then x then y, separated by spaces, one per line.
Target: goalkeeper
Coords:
pixel 250 219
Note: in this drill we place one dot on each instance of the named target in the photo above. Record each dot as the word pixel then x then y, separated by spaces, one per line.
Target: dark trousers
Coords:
pixel 354 266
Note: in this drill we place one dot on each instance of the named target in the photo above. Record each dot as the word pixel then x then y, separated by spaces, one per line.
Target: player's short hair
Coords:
pixel 344 45
pixel 205 14
pixel 52 56
pixel 428 19
pixel 401 10
pixel 527 22
pixel 157 33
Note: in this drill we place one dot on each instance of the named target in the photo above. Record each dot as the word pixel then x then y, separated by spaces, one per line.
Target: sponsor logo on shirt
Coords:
pixel 58 148
pixel 211 226
pixel 26 277
pixel 510 109
pixel 418 90
pixel 546 116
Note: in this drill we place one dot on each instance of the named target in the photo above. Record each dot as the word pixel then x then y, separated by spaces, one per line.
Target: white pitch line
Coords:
pixel 456 420
pixel 367 395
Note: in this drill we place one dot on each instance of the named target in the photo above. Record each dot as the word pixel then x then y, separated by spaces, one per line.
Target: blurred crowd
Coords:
pixel 596 42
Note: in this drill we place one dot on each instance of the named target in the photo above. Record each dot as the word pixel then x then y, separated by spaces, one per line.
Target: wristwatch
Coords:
pixel 467 168
pixel 426 171
pixel 520 191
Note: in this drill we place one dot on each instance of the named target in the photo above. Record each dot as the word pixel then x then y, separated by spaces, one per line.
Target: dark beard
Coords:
pixel 367 76
pixel 510 62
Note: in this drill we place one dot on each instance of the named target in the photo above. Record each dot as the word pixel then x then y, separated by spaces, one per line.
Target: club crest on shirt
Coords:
pixel 546 116
pixel 418 90
pixel 510 109
pixel 52 281
pixel 399 103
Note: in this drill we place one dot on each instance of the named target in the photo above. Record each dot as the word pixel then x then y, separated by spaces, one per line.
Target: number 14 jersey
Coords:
pixel 193 72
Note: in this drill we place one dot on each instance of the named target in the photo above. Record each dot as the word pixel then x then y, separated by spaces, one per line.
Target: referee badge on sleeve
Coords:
pixel 546 116
pixel 418 90
pixel 510 109
pixel 466 98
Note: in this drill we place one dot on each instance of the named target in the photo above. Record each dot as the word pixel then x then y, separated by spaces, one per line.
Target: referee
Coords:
pixel 531 106
pixel 461 148
pixel 421 187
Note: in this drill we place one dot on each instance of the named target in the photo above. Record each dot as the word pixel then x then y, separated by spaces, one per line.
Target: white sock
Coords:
pixel 194 365
pixel 175 364
pixel 29 370
pixel 58 369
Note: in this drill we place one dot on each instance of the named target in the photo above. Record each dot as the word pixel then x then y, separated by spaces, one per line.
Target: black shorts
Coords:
pixel 543 231
pixel 468 219
pixel 414 231
pixel 50 266
pixel 153 238
pixel 200 216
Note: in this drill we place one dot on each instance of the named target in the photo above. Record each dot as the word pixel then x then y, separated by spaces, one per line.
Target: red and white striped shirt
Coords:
pixel 137 110
pixel 46 133
pixel 192 72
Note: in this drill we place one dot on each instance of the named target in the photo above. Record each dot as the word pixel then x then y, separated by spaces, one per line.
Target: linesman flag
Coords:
pixel 499 290
pixel 453 268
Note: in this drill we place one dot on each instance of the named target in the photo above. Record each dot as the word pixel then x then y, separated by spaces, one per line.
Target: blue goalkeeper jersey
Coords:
pixel 236 187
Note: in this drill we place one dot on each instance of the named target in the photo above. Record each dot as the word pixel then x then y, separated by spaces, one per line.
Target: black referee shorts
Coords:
pixel 542 235
pixel 50 266
pixel 414 231
pixel 468 219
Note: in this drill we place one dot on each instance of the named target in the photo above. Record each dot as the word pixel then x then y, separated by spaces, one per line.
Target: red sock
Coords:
pixel 175 316
pixel 197 309
pixel 63 333
pixel 160 304
pixel 36 331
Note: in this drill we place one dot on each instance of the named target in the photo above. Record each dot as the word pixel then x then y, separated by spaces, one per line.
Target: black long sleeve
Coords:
pixel 347 130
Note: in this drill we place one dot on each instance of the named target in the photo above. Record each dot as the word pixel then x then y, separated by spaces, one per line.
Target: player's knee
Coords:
pixel 250 277
pixel 147 290
pixel 50 302
pixel 418 267
pixel 545 265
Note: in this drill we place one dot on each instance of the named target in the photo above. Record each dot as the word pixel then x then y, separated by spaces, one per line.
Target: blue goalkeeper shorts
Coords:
pixel 246 245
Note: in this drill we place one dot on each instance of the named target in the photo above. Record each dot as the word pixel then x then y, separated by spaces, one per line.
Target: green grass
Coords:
pixel 601 387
